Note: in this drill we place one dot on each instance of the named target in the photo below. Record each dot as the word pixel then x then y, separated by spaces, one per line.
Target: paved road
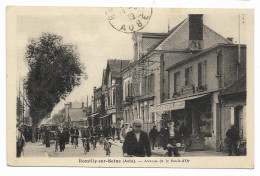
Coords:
pixel 39 150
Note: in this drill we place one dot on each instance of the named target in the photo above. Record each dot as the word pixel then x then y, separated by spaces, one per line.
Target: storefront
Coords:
pixel 194 112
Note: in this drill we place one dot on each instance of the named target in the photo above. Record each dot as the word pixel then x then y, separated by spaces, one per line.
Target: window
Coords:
pixel 143 86
pixel 114 96
pixel 153 117
pixel 151 83
pixel 177 86
pixel 219 64
pixel 202 73
pixel 126 89
pixel 188 76
pixel 129 89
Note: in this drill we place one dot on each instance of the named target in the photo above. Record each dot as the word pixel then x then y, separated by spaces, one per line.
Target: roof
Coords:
pixel 192 56
pixel 116 66
pixel 76 114
pixel 178 38
pixel 237 87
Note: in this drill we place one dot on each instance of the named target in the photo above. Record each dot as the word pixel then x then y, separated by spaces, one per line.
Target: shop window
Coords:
pixel 188 76
pixel 177 86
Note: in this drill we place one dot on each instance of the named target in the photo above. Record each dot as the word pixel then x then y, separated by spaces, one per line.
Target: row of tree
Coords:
pixel 54 70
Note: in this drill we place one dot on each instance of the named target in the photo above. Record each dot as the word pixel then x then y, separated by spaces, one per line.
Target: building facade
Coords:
pixel 179 76
pixel 112 93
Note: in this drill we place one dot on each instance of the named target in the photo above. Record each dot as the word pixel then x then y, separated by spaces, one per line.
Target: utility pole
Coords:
pixel 238 62
pixel 23 105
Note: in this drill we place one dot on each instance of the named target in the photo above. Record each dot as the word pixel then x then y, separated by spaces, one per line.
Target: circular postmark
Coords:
pixel 129 19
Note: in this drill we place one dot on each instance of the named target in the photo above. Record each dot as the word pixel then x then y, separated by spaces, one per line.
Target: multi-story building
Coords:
pixel 141 79
pixel 112 92
pixel 201 64
pixel 178 76
pixel 98 107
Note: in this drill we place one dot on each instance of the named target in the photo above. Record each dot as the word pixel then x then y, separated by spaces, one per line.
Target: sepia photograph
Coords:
pixel 130 87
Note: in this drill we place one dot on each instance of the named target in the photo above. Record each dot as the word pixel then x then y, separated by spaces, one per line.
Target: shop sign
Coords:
pixel 168 106
pixel 111 111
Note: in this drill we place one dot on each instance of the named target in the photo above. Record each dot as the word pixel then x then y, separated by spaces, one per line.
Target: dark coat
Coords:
pixel 153 134
pixel 233 134
pixel 62 135
pixel 139 149
pixel 74 132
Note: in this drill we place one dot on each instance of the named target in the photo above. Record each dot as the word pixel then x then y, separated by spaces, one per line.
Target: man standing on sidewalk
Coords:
pixel 153 136
pixel 62 139
pixel 136 142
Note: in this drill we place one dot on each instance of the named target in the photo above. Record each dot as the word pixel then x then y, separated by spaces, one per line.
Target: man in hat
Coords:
pixel 172 139
pixel 62 138
pixel 153 136
pixel 136 142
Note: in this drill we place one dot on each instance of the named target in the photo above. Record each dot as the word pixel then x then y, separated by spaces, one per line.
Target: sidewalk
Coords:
pixel 36 149
pixel 160 152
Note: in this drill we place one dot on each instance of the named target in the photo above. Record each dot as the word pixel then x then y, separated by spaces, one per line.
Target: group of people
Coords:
pixel 135 141
pixel 138 143
pixel 66 135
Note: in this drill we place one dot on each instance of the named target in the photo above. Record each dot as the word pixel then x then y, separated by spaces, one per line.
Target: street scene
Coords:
pixel 132 85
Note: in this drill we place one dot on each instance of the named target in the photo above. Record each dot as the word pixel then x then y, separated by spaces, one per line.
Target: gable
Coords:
pixel 178 40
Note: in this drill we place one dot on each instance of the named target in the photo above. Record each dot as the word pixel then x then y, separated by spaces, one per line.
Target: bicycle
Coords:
pixel 242 147
pixel 75 141
pixel 223 146
pixel 85 144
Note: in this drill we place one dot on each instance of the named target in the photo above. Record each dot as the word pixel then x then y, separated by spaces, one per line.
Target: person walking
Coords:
pixel 164 136
pixel 20 141
pixel 47 137
pixel 113 131
pixel 232 137
pixel 62 139
pixel 136 142
pixel 153 136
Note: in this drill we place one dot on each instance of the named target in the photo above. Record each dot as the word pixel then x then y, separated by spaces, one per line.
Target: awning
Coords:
pixel 174 104
pixel 105 116
pixel 93 115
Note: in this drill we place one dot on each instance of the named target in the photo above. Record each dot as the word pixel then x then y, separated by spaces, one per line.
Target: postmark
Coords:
pixel 129 19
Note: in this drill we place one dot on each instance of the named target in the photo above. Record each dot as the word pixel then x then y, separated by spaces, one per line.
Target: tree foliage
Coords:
pixel 54 70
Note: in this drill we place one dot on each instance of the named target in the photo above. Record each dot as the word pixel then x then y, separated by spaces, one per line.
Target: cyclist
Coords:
pixel 93 138
pixel 74 135
pixel 86 136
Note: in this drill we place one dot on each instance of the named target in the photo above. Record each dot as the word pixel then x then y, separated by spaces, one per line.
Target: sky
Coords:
pixel 98 41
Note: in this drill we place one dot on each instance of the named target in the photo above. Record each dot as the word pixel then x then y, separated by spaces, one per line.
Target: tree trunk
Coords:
pixel 34 132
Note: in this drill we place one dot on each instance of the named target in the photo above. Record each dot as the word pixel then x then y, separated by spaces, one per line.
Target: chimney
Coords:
pixel 195 27
pixel 82 105
pixel 195 32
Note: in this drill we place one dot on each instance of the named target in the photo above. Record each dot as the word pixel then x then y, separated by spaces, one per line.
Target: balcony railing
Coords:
pixel 189 89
